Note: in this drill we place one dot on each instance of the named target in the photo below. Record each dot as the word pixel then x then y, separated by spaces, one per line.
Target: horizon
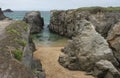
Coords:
pixel 28 5
pixel 58 9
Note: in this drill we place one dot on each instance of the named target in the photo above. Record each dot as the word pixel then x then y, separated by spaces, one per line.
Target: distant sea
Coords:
pixel 19 15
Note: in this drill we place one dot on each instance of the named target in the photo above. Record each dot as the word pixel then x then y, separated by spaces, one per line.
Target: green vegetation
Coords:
pixel 17 28
pixel 18 54
pixel 25 28
pixel 12 31
pixel 99 9
pixel 21 42
pixel 16 32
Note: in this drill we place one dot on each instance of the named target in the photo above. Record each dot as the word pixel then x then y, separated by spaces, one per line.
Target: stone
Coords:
pixel 85 49
pixel 1 15
pixel 64 22
pixel 113 39
pixel 105 69
pixel 16 52
pixel 35 20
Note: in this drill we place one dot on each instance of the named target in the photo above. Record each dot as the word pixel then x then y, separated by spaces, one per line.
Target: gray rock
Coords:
pixel 11 51
pixel 35 20
pixel 1 15
pixel 64 22
pixel 114 40
pixel 105 69
pixel 104 21
pixel 16 52
pixel 87 48
pixel 37 67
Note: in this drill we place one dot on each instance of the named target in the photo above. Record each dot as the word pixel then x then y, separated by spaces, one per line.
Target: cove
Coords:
pixel 47 38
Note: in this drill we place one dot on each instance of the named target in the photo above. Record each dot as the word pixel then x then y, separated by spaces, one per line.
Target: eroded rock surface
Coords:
pixel 35 20
pixel 87 48
pixel 16 52
pixel 64 22
pixel 114 40
pixel 105 69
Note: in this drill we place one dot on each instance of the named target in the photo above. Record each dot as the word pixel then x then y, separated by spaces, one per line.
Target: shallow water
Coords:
pixel 45 37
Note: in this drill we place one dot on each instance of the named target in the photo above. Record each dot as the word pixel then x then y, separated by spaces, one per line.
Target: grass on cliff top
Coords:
pixel 100 9
pixel 16 38
pixel 17 27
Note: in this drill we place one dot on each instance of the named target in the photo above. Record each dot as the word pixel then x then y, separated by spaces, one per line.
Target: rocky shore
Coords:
pixel 65 22
pixel 93 46
pixel 95 40
pixel 16 51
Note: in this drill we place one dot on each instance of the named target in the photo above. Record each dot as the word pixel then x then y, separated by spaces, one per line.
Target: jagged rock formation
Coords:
pixel 64 22
pixel 87 48
pixel 7 10
pixel 95 44
pixel 1 15
pixel 105 69
pixel 114 40
pixel 35 20
pixel 16 53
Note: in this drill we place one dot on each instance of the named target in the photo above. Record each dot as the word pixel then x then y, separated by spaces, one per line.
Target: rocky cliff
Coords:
pixel 35 20
pixel 16 52
pixel 1 15
pixel 65 22
pixel 95 40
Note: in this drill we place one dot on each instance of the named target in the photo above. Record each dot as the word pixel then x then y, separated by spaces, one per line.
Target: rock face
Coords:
pixel 1 15
pixel 16 53
pixel 87 48
pixel 114 40
pixel 94 43
pixel 64 22
pixel 35 20
pixel 7 10
pixel 105 69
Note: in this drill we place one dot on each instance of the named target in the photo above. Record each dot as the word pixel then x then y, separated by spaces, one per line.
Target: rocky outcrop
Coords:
pixel 114 40
pixel 7 10
pixel 35 20
pixel 16 53
pixel 87 48
pixel 64 22
pixel 1 15
pixel 105 69
pixel 94 43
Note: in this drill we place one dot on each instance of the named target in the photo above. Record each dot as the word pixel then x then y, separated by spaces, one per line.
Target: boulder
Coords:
pixel 105 69
pixel 35 20
pixel 113 39
pixel 87 48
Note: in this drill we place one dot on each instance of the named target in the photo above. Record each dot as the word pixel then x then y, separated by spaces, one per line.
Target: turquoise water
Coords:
pixel 45 37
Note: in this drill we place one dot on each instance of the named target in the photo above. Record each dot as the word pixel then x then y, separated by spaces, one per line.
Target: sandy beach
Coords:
pixel 49 59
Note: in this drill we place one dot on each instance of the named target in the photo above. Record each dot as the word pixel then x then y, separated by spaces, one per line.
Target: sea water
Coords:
pixel 45 37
